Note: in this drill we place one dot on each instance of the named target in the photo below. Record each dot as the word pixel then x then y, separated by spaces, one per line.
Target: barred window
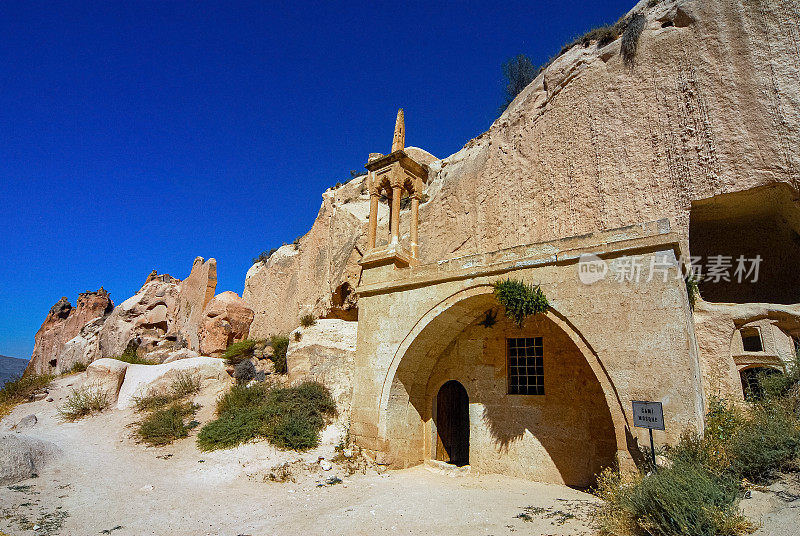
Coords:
pixel 525 368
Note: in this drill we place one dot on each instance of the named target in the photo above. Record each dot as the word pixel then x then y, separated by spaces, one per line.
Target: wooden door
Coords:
pixel 452 424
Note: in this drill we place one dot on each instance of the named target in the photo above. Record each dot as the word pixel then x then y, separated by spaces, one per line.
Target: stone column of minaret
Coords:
pixel 398 144
pixel 415 225
pixel 374 197
pixel 399 140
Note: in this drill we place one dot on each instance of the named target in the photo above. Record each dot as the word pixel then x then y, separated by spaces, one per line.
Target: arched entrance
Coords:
pixel 452 424
pixel 566 434
pixel 751 381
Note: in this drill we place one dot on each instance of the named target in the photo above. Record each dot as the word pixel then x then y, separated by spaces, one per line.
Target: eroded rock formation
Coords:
pixel 64 322
pixel 708 104
pixel 161 321
pixel 226 319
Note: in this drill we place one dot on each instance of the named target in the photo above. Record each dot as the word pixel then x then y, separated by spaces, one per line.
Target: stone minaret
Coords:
pixel 399 141
pixel 394 175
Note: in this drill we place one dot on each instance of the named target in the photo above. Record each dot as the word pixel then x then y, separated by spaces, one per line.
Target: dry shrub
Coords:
pixel 165 425
pixel 289 418
pixel 82 402
pixel 21 389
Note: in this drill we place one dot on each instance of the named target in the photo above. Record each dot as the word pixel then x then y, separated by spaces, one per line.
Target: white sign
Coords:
pixel 648 415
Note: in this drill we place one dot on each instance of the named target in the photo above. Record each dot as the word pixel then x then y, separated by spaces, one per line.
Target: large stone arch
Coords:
pixel 403 412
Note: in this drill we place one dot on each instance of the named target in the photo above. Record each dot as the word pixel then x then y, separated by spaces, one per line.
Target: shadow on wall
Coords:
pixel 571 420
pixel 570 427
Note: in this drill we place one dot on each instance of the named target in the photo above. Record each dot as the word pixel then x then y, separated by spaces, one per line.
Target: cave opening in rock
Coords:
pixel 753 240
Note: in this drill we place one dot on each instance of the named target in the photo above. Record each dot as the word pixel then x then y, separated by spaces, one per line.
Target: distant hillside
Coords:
pixel 11 368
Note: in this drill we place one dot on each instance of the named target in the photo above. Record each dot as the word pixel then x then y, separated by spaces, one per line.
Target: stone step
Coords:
pixel 447 469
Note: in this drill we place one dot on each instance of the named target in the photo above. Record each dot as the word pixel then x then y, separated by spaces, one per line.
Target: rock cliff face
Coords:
pixel 319 275
pixel 64 322
pixel 303 279
pixel 708 104
pixel 162 319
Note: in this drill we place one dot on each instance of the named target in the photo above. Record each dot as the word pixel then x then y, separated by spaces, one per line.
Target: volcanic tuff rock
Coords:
pixel 64 322
pixel 325 353
pixel 710 104
pixel 162 317
pixel 145 317
pixel 226 319
pixel 196 291
pixel 319 274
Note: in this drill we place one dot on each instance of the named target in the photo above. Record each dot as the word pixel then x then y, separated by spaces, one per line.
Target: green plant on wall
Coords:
pixel 520 300
pixel 692 290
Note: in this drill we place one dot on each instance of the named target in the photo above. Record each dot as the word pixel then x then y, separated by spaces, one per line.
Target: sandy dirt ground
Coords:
pixel 106 483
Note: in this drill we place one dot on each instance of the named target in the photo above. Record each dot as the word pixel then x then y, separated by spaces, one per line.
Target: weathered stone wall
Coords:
pixel 634 336
pixel 564 436
pixel 710 105
pixel 720 346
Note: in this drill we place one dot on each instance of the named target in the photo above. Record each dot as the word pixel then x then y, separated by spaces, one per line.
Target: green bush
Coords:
pixel 78 366
pixel 684 499
pixel 307 321
pixel 21 389
pixel 240 397
pixel 697 493
pixel 280 345
pixel 82 402
pixel 239 351
pixel 165 425
pixel 518 71
pixel 183 385
pixel 289 418
pixel 694 495
pixel 766 443
pixel 781 386
pixel 520 300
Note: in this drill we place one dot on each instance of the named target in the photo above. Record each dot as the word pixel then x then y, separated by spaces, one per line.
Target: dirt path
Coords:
pixel 105 483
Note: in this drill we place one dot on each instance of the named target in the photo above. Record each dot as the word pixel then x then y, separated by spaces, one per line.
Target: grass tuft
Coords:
pixel 289 418
pixel 307 321
pixel 183 385
pixel 165 425
pixel 130 356
pixel 82 402
pixel 77 367
pixel 239 351
pixel 280 345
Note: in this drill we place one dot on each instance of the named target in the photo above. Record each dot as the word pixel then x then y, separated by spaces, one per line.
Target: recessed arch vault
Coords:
pixel 403 404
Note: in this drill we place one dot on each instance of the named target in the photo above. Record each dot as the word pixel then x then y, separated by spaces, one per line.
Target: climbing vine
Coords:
pixel 520 300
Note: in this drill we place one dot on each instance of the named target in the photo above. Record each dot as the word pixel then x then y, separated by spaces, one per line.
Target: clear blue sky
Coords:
pixel 135 136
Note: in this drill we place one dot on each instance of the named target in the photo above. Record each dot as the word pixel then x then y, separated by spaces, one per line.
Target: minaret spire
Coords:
pixel 399 141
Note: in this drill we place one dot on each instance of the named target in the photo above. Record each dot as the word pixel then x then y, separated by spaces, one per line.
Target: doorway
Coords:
pixel 452 424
